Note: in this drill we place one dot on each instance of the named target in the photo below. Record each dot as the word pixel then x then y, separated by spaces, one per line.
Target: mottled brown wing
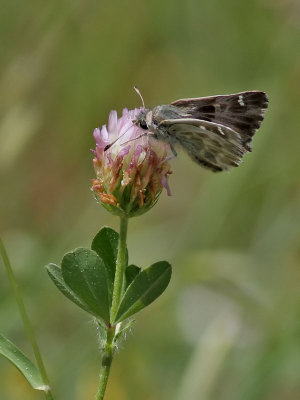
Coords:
pixel 211 145
pixel 242 112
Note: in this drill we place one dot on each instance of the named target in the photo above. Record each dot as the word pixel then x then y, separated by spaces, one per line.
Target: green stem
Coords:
pixel 26 321
pixel 107 358
pixel 116 298
pixel 120 269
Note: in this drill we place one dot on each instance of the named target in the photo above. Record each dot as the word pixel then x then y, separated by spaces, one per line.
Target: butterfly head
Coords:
pixel 141 119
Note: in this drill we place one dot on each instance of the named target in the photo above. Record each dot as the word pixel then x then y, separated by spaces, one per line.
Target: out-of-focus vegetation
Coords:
pixel 228 326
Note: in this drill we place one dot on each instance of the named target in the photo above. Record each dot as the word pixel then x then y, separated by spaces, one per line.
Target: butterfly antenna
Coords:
pixel 139 93
pixel 111 144
pixel 138 137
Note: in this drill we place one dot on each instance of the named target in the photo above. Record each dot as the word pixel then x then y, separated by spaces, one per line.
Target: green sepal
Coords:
pixel 131 273
pixel 55 274
pixel 85 273
pixel 12 353
pixel 145 288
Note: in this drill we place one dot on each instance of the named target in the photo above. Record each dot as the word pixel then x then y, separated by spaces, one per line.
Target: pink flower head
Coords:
pixel 131 166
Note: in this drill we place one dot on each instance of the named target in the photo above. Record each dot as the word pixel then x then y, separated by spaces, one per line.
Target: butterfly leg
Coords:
pixel 173 150
pixel 174 155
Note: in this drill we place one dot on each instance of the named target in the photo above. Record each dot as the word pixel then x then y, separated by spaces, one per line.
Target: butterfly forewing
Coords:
pixel 243 112
pixel 215 131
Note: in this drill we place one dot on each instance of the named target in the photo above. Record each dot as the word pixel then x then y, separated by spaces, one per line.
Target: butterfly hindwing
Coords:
pixel 211 145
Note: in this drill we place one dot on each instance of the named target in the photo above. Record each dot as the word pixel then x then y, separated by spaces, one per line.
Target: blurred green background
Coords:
pixel 228 326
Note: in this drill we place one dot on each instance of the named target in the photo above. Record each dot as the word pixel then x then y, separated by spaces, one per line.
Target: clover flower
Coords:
pixel 133 170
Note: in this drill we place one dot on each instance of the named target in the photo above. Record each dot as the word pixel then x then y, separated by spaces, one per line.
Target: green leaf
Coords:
pixel 105 244
pixel 146 287
pixel 130 273
pixel 85 273
pixel 24 365
pixel 55 274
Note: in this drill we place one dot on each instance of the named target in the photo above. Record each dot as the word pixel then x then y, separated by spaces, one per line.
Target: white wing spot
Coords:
pixel 221 131
pixel 241 101
pixel 202 127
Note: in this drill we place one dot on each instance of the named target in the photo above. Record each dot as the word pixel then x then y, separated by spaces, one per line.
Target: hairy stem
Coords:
pixel 105 364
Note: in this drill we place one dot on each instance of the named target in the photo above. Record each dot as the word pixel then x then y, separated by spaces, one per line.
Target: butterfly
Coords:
pixel 215 131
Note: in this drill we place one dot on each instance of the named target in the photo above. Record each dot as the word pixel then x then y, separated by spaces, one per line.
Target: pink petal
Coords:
pixel 164 182
pixel 125 112
pixel 124 151
pixel 112 122
pixel 101 137
pixel 97 134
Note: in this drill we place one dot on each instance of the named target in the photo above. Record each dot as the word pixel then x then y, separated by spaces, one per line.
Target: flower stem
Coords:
pixel 26 321
pixel 108 352
pixel 116 298
pixel 105 364
pixel 120 269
